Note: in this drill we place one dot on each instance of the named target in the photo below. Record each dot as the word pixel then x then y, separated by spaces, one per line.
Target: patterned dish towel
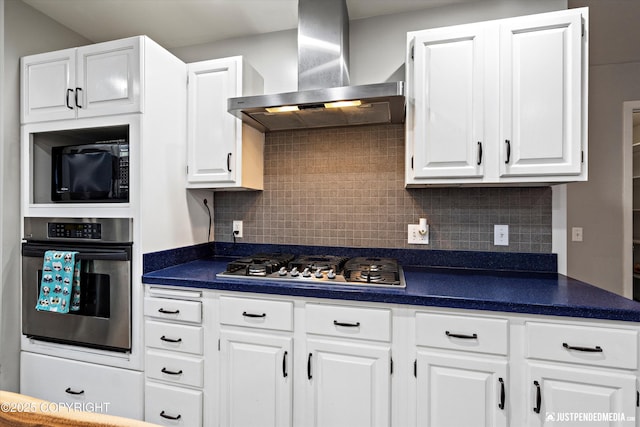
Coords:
pixel 60 284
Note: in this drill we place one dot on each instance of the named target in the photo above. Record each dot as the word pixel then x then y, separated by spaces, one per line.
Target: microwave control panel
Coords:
pixel 68 230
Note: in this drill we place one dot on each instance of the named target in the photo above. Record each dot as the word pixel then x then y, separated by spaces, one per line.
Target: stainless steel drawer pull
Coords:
pixel 596 349
pixel 254 315
pixel 346 324
pixel 166 371
pixel 163 338
pixel 170 417
pixel 461 336
pixel 163 311
pixel 68 390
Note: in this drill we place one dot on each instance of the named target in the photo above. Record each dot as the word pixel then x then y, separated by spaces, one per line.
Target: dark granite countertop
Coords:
pixel 533 292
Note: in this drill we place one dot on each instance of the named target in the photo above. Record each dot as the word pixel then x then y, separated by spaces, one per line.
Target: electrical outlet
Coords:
pixel 237 228
pixel 414 237
pixel 576 234
pixel 501 235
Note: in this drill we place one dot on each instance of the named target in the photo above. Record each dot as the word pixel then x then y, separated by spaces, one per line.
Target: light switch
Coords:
pixel 501 235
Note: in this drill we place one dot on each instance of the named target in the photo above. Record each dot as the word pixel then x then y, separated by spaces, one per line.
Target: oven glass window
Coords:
pixel 95 300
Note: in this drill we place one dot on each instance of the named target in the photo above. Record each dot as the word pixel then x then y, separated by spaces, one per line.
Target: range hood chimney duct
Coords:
pixel 323 44
pixel 324 97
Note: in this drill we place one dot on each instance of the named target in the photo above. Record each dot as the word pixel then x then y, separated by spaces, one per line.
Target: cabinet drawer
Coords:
pixel 114 391
pixel 256 313
pixel 588 345
pixel 173 309
pixel 349 322
pixel 477 334
pixel 168 336
pixel 172 406
pixel 175 368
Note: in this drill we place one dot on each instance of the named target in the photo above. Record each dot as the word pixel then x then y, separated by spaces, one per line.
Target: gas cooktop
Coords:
pixel 322 269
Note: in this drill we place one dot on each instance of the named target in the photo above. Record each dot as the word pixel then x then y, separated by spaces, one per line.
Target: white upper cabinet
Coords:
pixel 448 94
pixel 221 151
pixel 498 102
pixel 88 81
pixel 540 95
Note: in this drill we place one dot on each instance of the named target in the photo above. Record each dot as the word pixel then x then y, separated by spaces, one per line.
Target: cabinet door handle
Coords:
pixel 68 390
pixel 502 394
pixel 78 90
pixel 69 105
pixel 254 315
pixel 508 150
pixel 166 371
pixel 347 324
pixel 229 162
pixel 536 409
pixel 170 417
pixel 163 338
pixel 479 153
pixel 163 311
pixel 285 374
pixel 461 336
pixel 596 349
pixel 309 376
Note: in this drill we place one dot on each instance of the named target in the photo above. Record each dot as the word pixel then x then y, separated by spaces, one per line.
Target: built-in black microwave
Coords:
pixel 94 172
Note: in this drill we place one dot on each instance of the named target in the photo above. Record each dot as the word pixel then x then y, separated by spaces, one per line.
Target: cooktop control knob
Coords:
pixel 318 274
pixel 282 271
pixel 331 274
pixel 295 272
pixel 306 272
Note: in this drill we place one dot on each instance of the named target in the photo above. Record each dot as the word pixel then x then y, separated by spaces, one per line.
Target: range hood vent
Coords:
pixel 324 97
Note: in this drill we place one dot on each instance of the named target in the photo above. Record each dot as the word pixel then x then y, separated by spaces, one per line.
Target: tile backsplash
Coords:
pixel 345 187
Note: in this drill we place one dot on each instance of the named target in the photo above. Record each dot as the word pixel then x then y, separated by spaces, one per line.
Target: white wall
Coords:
pixel 26 31
pixel 377 45
pixel 598 205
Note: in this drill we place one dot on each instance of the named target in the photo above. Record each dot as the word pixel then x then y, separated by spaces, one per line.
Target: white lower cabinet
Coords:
pixel 348 384
pixel 245 359
pixel 172 406
pixel 84 386
pixel 563 395
pixel 174 357
pixel 348 372
pixel 461 370
pixel 460 390
pixel 255 379
pixel 577 374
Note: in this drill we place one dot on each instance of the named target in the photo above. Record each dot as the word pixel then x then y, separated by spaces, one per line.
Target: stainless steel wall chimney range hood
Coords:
pixel 324 97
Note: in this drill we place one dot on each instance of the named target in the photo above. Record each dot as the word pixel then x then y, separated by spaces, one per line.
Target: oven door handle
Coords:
pixel 90 254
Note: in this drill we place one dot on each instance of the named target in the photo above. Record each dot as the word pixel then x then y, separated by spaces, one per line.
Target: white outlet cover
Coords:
pixel 414 237
pixel 501 235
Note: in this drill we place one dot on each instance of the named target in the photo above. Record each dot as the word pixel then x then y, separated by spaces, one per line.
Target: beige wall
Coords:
pixel 597 205
pixel 26 31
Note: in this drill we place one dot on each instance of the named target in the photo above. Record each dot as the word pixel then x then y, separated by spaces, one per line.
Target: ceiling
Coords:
pixel 177 23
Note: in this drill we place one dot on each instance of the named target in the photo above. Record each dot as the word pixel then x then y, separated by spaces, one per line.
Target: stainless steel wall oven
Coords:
pixel 104 249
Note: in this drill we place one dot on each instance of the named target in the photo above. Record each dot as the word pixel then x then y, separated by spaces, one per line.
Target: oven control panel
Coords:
pixel 67 230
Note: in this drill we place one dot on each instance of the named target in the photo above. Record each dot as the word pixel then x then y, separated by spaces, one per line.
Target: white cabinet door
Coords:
pixel 46 86
pixel 348 384
pixel 95 80
pixel 91 387
pixel 255 379
pixel 540 95
pixel 461 390
pixel 558 393
pixel 448 91
pixel 109 78
pixel 212 132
